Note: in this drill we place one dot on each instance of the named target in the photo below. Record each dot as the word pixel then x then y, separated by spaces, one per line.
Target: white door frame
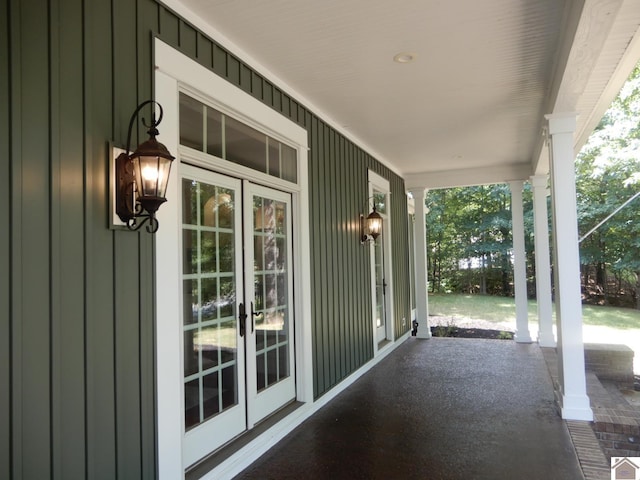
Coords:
pixel 381 184
pixel 173 70
pixel 411 210
pixel 232 421
pixel 261 404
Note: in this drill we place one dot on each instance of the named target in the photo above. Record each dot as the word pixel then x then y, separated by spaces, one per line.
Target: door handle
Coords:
pixel 242 318
pixel 254 314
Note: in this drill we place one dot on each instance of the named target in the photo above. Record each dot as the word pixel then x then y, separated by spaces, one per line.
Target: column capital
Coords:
pixel 516 185
pixel 539 180
pixel 418 191
pixel 561 122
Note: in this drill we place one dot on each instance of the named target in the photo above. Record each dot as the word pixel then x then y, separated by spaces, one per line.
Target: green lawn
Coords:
pixel 496 309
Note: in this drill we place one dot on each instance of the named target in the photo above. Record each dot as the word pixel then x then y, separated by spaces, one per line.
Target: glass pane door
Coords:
pixel 269 290
pixel 213 352
pixel 380 307
pixel 236 372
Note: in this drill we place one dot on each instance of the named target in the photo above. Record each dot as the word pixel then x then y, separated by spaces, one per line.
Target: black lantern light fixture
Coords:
pixel 371 226
pixel 142 176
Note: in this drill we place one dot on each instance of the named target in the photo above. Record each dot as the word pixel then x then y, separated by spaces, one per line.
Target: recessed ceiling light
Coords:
pixel 404 57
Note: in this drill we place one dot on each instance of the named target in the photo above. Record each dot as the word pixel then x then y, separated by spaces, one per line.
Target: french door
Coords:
pixel 237 323
pixel 380 289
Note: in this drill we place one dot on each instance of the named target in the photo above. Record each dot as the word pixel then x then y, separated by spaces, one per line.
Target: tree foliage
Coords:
pixel 469 238
pixel 469 229
pixel 607 175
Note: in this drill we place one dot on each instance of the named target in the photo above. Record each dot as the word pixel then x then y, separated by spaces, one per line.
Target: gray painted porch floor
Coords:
pixel 443 408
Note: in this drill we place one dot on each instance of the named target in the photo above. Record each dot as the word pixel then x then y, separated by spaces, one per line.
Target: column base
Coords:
pixel 424 331
pixel 576 407
pixel 546 340
pixel 522 336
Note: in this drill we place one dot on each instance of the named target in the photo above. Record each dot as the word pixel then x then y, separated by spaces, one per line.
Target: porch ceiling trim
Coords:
pixel 469 177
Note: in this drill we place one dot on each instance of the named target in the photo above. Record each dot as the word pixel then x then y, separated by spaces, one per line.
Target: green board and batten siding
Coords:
pixel 77 299
pixel 5 247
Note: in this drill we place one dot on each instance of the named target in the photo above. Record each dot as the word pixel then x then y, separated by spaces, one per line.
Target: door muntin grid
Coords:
pixel 379 275
pixel 209 299
pixel 380 287
pixel 271 270
pixel 208 130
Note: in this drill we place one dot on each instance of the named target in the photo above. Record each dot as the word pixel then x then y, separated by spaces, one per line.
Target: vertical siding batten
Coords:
pixel 245 78
pixel 327 328
pixel 345 246
pixel 354 256
pixel 126 289
pixel 331 207
pixel 361 270
pixel 320 290
pixel 67 160
pixel 6 197
pixel 15 134
pixel 188 39
pixel 99 73
pixel 148 19
pixel 204 51
pixel 219 61
pixel 345 257
pixel 256 85
pixel 315 281
pixel 169 27
pixel 34 351
pixel 340 272
pixel 344 275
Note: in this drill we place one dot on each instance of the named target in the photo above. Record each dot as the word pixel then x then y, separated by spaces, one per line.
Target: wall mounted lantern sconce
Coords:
pixel 370 227
pixel 141 177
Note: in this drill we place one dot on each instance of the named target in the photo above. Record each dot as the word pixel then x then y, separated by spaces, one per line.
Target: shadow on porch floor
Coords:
pixel 444 408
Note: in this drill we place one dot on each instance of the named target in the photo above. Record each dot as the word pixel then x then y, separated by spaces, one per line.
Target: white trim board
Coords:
pixel 173 72
pixel 381 184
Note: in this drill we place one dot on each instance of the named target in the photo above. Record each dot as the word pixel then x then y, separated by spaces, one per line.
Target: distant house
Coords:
pixel 625 469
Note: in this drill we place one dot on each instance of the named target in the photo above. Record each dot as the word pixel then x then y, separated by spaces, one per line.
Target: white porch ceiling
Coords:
pixel 470 107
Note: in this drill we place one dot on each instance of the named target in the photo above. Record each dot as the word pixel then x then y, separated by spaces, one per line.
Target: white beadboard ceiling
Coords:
pixel 470 107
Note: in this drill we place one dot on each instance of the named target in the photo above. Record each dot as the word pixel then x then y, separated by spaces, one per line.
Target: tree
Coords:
pixel 607 175
pixel 469 237
pixel 469 229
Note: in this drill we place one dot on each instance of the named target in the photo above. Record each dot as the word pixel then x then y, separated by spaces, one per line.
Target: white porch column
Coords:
pixel 420 242
pixel 543 266
pixel 519 264
pixel 573 392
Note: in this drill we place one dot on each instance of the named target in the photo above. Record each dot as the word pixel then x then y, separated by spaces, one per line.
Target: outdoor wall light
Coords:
pixel 371 226
pixel 141 177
